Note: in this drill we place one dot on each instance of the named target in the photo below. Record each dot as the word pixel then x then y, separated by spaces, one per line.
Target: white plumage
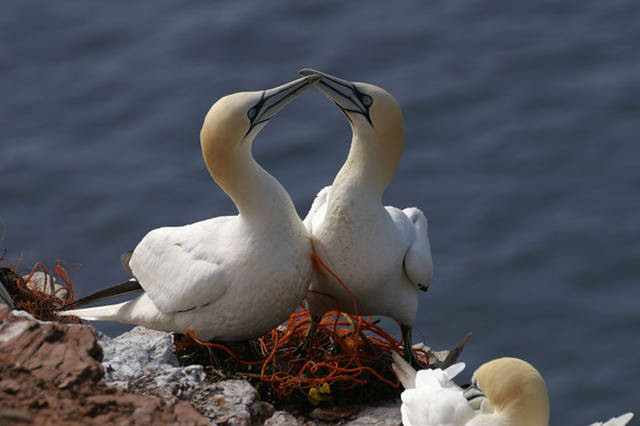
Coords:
pixel 616 421
pixel 232 277
pixel 431 397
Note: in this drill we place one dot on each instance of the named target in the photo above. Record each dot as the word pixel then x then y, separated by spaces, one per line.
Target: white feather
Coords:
pixel 616 421
pixel 436 399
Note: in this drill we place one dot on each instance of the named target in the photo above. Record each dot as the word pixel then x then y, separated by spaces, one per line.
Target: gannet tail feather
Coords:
pixel 139 311
pixel 99 313
pixel 405 372
pixel 127 287
pixel 616 421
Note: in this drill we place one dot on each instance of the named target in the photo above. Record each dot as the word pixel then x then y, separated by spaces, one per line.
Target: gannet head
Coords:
pixel 514 389
pixel 234 121
pixel 375 116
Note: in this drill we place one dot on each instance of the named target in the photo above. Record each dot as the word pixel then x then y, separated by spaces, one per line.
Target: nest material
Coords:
pixel 43 299
pixel 347 361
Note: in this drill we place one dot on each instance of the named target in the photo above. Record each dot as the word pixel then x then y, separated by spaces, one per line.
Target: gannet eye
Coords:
pixel 367 100
pixel 252 113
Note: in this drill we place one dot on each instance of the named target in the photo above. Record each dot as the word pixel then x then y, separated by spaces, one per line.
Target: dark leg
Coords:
pixel 255 350
pixel 214 358
pixel 310 332
pixel 408 351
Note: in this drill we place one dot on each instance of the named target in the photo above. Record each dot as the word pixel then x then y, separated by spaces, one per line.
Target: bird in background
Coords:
pixel 382 254
pixel 504 392
pixel 228 278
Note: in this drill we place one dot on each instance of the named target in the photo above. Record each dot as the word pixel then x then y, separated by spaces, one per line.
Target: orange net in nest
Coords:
pixel 347 359
pixel 40 296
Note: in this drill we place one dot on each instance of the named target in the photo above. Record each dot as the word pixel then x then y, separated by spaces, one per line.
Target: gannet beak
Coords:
pixel 344 93
pixel 273 100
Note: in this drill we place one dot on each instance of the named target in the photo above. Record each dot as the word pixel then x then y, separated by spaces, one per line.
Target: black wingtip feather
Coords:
pixel 130 286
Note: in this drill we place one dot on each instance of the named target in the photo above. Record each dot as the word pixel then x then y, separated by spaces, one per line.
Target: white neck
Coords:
pixel 259 197
pixel 363 174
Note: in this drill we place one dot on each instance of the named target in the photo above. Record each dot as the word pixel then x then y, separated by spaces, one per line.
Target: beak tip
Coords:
pixel 307 71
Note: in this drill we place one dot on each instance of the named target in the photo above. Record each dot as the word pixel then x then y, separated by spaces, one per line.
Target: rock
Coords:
pixel 142 361
pixel 50 374
pixel 282 418
pixel 232 402
pixel 137 353
pixel 60 354
pixel 384 415
pixel 335 413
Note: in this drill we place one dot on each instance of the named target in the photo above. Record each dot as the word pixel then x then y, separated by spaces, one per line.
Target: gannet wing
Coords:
pixel 418 263
pixel 405 372
pixel 127 287
pixel 453 370
pixel 318 210
pixel 182 268
pixel 432 404
pixel 616 421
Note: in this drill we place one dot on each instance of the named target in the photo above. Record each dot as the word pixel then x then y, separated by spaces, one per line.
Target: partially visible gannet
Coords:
pixel 504 392
pixel 228 278
pixel 382 254
pixel 615 421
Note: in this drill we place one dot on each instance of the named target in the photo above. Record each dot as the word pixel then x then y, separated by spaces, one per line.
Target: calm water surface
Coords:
pixel 522 148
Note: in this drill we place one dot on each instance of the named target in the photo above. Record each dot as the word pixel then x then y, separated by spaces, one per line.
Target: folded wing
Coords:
pixel 182 268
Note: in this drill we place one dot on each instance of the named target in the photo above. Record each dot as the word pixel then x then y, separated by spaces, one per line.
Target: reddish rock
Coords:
pixel 50 374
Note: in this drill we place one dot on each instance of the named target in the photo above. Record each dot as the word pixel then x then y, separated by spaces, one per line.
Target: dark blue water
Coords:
pixel 522 147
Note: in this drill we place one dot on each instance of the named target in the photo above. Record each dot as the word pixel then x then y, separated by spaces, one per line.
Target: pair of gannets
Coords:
pixel 236 277
pixel 504 392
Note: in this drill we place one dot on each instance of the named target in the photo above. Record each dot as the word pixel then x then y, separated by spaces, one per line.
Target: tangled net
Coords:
pixel 40 299
pixel 347 359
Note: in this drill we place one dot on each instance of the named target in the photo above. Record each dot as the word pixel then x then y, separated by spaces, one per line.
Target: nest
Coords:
pixel 347 360
pixel 41 298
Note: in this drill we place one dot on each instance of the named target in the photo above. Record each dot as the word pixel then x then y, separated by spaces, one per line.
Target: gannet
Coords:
pixel 229 278
pixel 382 254
pixel 504 392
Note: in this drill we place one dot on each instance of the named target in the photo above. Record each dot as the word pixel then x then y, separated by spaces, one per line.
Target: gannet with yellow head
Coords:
pixel 504 392
pixel 382 254
pixel 228 278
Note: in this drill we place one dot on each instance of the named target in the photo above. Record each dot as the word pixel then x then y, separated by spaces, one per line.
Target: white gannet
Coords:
pixel 382 254
pixel 231 277
pixel 504 392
